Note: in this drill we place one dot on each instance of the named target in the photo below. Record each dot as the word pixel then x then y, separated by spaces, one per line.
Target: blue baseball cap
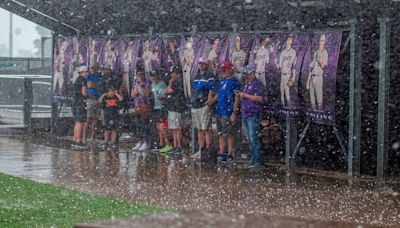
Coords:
pixel 248 69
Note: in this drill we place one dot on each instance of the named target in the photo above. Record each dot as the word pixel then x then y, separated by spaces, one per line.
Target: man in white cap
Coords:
pixel 203 92
pixel 188 59
pixel 79 106
pixel 315 77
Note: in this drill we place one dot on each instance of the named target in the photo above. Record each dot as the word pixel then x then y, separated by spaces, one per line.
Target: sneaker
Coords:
pixel 144 147
pixel 177 151
pixel 220 157
pixel 225 158
pixel 114 146
pixel 197 155
pixel 257 166
pixel 229 158
pixel 79 145
pixel 137 147
pixel 103 145
pixel 166 149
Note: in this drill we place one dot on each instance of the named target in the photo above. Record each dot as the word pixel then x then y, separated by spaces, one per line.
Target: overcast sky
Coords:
pixel 24 34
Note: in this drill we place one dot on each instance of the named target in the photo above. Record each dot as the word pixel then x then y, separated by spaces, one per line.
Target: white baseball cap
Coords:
pixel 83 68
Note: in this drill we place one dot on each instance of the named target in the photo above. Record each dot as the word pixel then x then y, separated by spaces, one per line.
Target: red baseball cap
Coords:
pixel 227 64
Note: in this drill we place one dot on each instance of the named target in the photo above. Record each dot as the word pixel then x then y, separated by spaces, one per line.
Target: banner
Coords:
pixel 278 61
pixel 319 76
pixel 63 51
pixel 284 63
pixel 130 61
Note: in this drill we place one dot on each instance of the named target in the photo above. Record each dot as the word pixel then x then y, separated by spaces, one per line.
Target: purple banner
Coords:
pixel 130 61
pixel 150 54
pixel 319 71
pixel 216 50
pixel 240 54
pixel 170 54
pixel 282 71
pixel 63 51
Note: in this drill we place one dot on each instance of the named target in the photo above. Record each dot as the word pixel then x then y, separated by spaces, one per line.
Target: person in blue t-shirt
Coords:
pixel 203 93
pixel 93 82
pixel 227 108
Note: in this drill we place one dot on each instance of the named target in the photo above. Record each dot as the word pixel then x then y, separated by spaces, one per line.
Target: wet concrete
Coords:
pixel 180 183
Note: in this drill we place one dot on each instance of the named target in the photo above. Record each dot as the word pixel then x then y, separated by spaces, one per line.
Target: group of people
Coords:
pixel 160 106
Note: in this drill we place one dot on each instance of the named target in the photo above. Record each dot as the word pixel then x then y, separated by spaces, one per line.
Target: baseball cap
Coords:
pixel 106 66
pixel 175 69
pixel 203 60
pixel 248 69
pixel 227 64
pixel 83 68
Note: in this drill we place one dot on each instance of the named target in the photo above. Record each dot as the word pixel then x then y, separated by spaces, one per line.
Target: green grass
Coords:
pixel 25 203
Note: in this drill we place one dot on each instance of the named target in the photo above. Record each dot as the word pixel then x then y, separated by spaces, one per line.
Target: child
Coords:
pixel 79 106
pixel 110 104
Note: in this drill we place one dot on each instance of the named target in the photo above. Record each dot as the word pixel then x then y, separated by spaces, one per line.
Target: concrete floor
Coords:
pixel 179 182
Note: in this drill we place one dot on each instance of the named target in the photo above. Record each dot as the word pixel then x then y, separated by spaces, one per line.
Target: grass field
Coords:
pixel 25 203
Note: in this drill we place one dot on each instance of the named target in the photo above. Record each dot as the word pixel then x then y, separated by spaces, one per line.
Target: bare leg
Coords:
pixel 175 136
pixel 201 138
pixel 107 136
pixel 114 136
pixel 80 132
pixel 221 145
pixel 93 129
pixel 230 144
pixel 179 137
pixel 208 134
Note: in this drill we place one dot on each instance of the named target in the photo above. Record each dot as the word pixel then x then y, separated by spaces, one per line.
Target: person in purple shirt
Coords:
pixel 141 93
pixel 252 105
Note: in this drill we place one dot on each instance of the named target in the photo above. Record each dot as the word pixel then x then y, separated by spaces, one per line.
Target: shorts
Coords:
pixel 201 118
pixel 226 127
pixel 79 113
pixel 93 108
pixel 158 115
pixel 175 120
pixel 111 120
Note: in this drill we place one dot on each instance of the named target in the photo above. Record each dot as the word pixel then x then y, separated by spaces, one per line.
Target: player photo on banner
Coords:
pixel 319 76
pixel 79 56
pixel 111 54
pixel 129 62
pixel 190 51
pixel 170 53
pixel 63 55
pixel 282 69
pixel 95 50
pixel 216 51
pixel 150 54
pixel 240 54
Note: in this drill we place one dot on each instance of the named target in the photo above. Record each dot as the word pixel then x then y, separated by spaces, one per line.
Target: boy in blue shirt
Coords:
pixel 227 108
pixel 93 82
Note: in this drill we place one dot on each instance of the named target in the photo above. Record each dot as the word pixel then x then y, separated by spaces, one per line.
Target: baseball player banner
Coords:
pixel 190 51
pixel 240 54
pixel 170 54
pixel 112 53
pixel 130 61
pixel 95 51
pixel 216 50
pixel 319 71
pixel 150 54
pixel 79 56
pixel 63 57
pixel 278 62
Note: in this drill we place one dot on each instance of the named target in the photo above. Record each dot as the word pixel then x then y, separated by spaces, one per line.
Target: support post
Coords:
pixel 28 101
pixel 383 98
pixel 290 127
pixel 53 104
pixel 353 158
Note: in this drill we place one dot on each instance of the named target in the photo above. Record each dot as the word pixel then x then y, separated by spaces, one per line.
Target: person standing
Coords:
pixel 227 107
pixel 251 106
pixel 141 93
pixel 93 83
pixel 203 92
pixel 79 106
pixel 175 104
